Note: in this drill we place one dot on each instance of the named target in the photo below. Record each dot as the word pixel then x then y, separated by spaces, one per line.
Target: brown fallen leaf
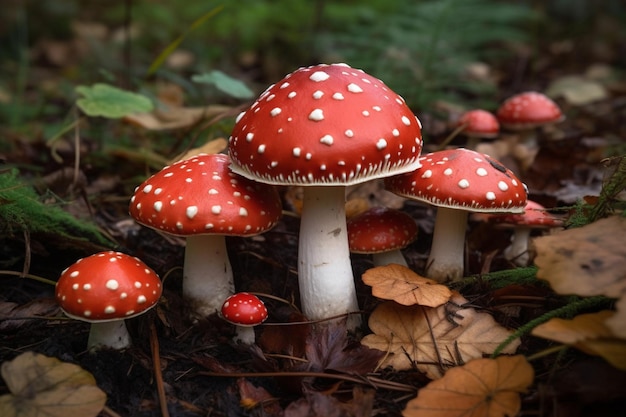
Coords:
pixel 617 323
pixel 213 146
pixel 480 388
pixel 318 404
pixel 589 260
pixel 14 316
pixel 257 397
pixel 434 339
pixel 176 117
pixel 402 285
pixel 41 385
pixel 588 333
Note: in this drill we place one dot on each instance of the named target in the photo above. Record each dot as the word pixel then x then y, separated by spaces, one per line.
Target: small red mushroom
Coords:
pixel 104 289
pixel 245 311
pixel 534 217
pixel 325 127
pixel 478 124
pixel 382 232
pixel 528 110
pixel 458 181
pixel 201 199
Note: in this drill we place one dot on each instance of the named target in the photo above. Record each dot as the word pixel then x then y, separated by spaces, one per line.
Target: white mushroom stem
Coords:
pixel 446 259
pixel 390 257
pixel 108 334
pixel 244 335
pixel 324 269
pixel 207 274
pixel 517 251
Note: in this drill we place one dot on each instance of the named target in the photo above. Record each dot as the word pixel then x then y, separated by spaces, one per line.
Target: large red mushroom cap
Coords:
pixel 200 195
pixel 462 179
pixel 325 125
pixel 107 286
pixel 528 110
pixel 380 229
pixel 479 123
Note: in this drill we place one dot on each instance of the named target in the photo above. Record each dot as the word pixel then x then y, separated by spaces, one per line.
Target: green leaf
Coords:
pixel 41 385
pixel 111 102
pixel 156 64
pixel 224 83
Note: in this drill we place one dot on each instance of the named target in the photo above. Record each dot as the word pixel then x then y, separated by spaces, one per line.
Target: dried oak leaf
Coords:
pixel 402 285
pixel 480 388
pixel 588 333
pixel 589 260
pixel 41 385
pixel 434 339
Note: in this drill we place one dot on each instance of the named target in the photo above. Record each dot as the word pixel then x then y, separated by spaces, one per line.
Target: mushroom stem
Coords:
pixel 517 251
pixel 446 260
pixel 108 334
pixel 207 274
pixel 391 257
pixel 244 335
pixel 324 269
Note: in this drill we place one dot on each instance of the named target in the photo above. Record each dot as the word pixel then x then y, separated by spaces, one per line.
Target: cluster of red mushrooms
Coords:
pixel 324 128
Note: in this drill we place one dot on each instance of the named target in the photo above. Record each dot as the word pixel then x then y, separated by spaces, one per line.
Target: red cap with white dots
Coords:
pixel 528 110
pixel 244 309
pixel 107 286
pixel 325 125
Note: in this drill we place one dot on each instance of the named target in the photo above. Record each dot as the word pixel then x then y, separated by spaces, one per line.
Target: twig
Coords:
pixel 156 363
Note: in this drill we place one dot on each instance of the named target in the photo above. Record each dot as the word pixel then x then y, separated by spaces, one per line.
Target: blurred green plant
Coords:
pixel 422 49
pixel 22 211
pixel 111 102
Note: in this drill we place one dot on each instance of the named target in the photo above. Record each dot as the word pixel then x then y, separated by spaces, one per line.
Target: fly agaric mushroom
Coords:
pixel 525 112
pixel 478 124
pixel 381 232
pixel 458 181
pixel 201 199
pixel 245 311
pixel 534 217
pixel 104 289
pixel 325 127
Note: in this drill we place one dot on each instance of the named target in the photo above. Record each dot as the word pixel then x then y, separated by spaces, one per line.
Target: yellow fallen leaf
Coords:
pixel 434 339
pixel 589 260
pixel 480 388
pixel 588 333
pixel 42 385
pixel 212 147
pixel 402 285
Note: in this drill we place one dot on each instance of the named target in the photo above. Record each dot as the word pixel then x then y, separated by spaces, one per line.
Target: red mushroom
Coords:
pixel 478 124
pixel 105 289
pixel 245 311
pixel 382 232
pixel 201 199
pixel 458 181
pixel 526 112
pixel 325 127
pixel 534 217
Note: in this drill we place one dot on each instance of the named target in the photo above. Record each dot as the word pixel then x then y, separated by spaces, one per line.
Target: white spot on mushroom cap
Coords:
pixel 112 284
pixel 353 88
pixel 316 115
pixel 319 76
pixel 191 212
pixel 327 140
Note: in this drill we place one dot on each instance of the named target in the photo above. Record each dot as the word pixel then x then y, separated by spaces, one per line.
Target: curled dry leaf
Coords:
pixel 402 285
pixel 176 117
pixel 41 385
pixel 589 260
pixel 589 333
pixel 434 339
pixel 213 146
pixel 480 388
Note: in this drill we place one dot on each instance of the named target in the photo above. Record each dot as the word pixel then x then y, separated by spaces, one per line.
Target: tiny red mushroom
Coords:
pixel 458 181
pixel 478 124
pixel 382 232
pixel 245 311
pixel 201 199
pixel 325 127
pixel 534 217
pixel 104 289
